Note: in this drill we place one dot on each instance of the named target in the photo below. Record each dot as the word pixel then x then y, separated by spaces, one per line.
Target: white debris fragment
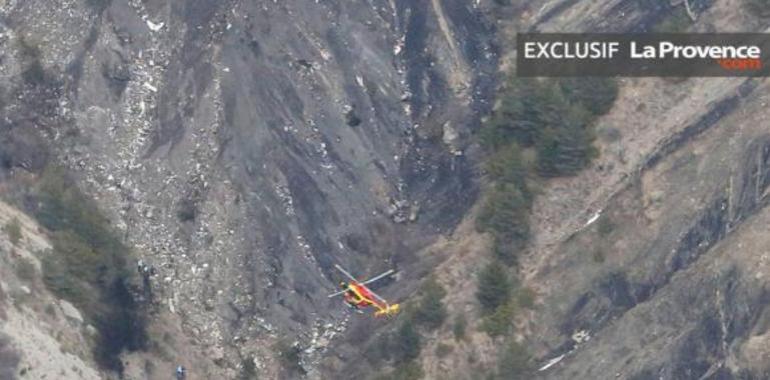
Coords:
pixel 581 336
pixel 550 363
pixel 399 46
pixel 325 54
pixel 153 26
pixel 150 87
pixel 593 218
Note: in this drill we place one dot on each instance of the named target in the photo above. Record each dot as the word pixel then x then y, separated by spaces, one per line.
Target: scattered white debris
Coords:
pixel 551 363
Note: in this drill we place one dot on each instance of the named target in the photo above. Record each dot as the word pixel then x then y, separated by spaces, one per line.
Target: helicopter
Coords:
pixel 358 296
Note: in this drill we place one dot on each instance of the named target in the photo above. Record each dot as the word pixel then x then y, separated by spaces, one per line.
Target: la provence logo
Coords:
pixel 642 54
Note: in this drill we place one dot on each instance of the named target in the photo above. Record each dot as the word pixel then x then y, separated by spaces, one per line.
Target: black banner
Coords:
pixel 643 55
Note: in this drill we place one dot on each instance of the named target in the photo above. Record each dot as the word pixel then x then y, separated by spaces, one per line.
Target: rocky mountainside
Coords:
pixel 653 273
pixel 241 148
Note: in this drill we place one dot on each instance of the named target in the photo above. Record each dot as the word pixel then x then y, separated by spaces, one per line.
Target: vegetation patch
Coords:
pixel 541 129
pixel 25 270
pixel 459 326
pixel 598 255
pixel 407 371
pixel 13 230
pixel 289 356
pixel 676 21
pixel 248 369
pixel 525 297
pixel 758 7
pixel 403 345
pixel 605 226
pixel 9 358
pixel 494 287
pixel 505 213
pixel 500 321
pixel 495 294
pixel 515 362
pixel 443 349
pixel 379 350
pixel 407 342
pixel 88 266
pixel 431 312
pixel 33 72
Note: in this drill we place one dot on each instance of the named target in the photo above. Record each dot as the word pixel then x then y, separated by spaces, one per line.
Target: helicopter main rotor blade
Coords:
pixel 377 296
pixel 350 276
pixel 373 279
pixel 369 281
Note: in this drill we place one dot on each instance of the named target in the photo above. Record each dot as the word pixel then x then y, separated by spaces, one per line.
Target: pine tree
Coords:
pixel 494 287
pixel 431 312
pixel 407 342
pixel 515 363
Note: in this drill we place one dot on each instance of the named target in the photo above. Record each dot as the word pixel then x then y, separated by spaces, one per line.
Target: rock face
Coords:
pixel 70 311
pixel 684 297
pixel 672 285
pixel 40 336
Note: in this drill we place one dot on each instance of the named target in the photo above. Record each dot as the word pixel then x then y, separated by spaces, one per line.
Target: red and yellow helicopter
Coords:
pixel 358 296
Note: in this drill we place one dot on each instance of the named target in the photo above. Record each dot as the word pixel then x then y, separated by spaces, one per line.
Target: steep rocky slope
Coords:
pixel 242 148
pixel 657 272
pixel 39 335
pixel 676 290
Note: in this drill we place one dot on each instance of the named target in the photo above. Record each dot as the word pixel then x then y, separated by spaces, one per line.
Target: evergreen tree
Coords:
pixel 505 214
pixel 596 95
pixel 565 144
pixel 514 363
pixel 494 287
pixel 507 165
pixel 431 312
pixel 407 342
pixel 759 7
